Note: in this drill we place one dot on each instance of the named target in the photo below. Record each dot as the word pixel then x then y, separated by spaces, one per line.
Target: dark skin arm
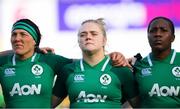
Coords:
pixel 56 101
pixel 133 103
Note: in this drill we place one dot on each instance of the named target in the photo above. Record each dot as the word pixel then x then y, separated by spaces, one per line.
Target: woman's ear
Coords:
pixel 104 41
pixel 34 43
pixel 173 38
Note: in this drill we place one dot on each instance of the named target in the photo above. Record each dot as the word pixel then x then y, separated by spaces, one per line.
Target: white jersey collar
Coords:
pixel 103 67
pixel 14 58
pixel 171 62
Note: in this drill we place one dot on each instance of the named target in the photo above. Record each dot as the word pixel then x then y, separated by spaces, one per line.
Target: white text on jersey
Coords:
pixel 25 89
pixel 164 90
pixel 90 98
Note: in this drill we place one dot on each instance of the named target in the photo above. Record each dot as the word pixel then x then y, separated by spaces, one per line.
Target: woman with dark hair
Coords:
pixel 158 74
pixel 27 76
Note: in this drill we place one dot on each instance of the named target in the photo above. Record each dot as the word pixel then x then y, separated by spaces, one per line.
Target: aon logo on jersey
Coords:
pixel 164 90
pixel 90 98
pixel 25 89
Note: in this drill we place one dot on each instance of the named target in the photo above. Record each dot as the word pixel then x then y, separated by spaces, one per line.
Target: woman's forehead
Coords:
pixel 160 22
pixel 90 26
pixel 20 30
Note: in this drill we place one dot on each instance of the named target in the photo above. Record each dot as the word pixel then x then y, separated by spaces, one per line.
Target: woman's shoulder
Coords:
pixel 4 59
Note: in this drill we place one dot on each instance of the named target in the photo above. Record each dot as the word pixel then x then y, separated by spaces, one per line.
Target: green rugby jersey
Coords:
pixel 100 86
pixel 159 81
pixel 28 83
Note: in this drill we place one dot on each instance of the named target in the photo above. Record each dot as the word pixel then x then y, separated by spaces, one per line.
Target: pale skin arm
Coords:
pixel 133 59
pixel 43 50
pixel 47 49
pixel 119 59
pixel 2 53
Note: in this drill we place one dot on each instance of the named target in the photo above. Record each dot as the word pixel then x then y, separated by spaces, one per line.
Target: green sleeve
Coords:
pixel 56 62
pixel 129 87
pixel 59 89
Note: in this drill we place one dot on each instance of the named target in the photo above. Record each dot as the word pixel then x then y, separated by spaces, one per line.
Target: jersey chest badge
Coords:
pixel 105 79
pixel 146 72
pixel 176 71
pixel 37 69
pixel 9 72
pixel 79 78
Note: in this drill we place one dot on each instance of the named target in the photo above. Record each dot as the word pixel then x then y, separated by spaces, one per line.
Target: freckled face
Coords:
pixel 91 37
pixel 22 42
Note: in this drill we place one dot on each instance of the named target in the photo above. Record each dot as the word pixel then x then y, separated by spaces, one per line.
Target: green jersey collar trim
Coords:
pixel 102 69
pixel 14 58
pixel 171 61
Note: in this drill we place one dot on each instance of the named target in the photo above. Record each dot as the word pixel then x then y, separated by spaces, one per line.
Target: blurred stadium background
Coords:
pixel 59 20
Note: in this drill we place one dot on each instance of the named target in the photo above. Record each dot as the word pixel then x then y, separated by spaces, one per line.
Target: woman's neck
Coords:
pixel 24 56
pixel 160 55
pixel 93 58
